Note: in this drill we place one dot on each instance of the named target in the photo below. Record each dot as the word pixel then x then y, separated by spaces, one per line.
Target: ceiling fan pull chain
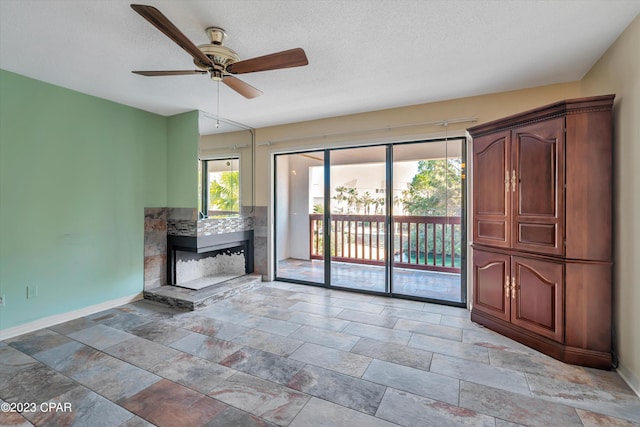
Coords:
pixel 217 104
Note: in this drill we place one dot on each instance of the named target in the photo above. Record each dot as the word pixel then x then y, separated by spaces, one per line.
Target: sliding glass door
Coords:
pixel 427 220
pixel 299 217
pixel 386 219
pixel 358 215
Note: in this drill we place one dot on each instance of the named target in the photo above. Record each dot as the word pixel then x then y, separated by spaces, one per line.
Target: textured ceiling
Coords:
pixel 363 55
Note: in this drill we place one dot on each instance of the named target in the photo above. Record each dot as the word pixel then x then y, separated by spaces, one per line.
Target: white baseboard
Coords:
pixel 65 317
pixel 630 379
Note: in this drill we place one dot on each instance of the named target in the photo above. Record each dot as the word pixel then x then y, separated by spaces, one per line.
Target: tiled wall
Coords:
pixel 182 221
pixel 158 222
pixel 185 222
pixel 210 226
pixel 260 227
pixel 155 247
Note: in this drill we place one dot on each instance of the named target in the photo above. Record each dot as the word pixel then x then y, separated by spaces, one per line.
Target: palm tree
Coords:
pixel 378 205
pixel 223 192
pixel 367 201
pixel 340 197
pixel 352 199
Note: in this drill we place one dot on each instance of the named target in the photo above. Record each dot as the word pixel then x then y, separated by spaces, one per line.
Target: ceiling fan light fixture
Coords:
pixel 216 75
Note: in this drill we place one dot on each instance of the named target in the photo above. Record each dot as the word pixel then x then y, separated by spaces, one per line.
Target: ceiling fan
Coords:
pixel 217 60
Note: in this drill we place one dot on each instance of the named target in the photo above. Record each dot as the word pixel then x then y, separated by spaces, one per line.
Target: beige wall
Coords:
pixel 354 129
pixel 386 126
pixel 618 71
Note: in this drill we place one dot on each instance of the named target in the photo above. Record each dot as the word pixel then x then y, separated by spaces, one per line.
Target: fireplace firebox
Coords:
pixel 225 243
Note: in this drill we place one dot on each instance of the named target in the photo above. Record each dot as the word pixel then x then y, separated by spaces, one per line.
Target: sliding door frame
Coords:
pixel 388 235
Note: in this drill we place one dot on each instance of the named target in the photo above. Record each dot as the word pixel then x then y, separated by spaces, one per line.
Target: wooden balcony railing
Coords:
pixel 420 242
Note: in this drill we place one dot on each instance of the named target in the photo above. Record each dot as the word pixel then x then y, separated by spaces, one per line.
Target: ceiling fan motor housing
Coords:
pixel 221 55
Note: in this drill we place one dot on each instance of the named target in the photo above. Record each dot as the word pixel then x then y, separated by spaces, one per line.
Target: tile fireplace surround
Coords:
pixel 159 223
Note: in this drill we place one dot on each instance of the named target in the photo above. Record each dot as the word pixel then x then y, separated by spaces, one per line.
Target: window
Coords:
pixel 221 186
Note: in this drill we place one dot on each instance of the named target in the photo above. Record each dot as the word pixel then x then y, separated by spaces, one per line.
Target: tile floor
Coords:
pixel 294 355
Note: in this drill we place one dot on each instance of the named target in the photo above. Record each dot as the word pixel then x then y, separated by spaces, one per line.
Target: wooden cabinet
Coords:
pixel 524 209
pixel 526 292
pixel 542 185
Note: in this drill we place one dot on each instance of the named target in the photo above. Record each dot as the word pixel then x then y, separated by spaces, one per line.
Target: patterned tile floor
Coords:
pixel 418 283
pixel 294 355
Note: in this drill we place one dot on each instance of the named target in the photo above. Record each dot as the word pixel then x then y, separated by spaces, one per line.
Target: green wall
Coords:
pixel 75 174
pixel 182 160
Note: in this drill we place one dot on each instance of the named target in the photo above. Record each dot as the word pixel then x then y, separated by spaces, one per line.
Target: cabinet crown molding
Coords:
pixel 557 109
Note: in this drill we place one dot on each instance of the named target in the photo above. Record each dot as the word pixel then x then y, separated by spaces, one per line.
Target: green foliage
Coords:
pixel 224 192
pixel 350 196
pixel 429 241
pixel 356 204
pixel 435 189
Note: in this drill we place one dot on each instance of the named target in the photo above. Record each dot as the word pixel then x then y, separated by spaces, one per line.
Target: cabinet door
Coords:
pixel 538 296
pixel 491 190
pixel 537 178
pixel 491 284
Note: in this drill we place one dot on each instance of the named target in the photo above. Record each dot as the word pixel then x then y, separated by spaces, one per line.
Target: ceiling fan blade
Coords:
pixel 169 73
pixel 244 89
pixel 285 59
pixel 161 22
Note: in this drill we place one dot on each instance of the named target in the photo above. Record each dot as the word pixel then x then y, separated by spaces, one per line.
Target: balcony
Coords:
pixel 431 243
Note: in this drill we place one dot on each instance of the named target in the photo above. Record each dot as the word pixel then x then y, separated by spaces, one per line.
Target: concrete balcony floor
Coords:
pixel 410 282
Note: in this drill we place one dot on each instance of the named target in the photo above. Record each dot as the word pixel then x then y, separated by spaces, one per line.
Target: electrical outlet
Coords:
pixel 32 291
pixel 2 300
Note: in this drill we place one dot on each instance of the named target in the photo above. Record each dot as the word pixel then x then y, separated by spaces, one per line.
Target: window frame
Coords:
pixel 204 184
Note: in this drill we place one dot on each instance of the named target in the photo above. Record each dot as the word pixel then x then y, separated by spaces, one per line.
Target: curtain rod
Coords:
pixel 223 120
pixel 445 122
pixel 228 147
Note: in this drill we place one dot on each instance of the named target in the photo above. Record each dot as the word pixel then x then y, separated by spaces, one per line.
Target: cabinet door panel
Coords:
pixel 536 234
pixel 538 179
pixel 491 190
pixel 490 282
pixel 539 296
